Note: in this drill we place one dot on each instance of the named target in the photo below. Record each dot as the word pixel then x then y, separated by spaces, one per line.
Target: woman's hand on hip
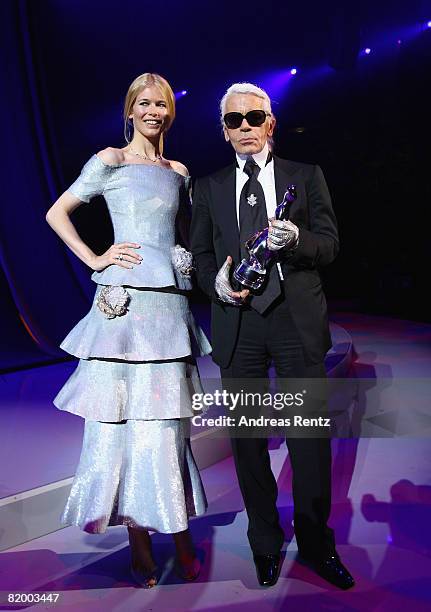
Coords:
pixel 120 254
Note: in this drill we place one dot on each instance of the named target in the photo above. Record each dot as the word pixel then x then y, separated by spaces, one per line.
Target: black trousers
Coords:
pixel 263 339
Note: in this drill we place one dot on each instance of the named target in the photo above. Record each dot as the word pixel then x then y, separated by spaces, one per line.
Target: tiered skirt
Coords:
pixel 133 386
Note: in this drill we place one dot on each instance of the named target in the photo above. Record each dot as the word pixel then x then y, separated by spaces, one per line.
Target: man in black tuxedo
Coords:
pixel 286 324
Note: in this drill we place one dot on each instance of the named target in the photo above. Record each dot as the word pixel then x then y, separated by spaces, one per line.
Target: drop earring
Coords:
pixel 128 130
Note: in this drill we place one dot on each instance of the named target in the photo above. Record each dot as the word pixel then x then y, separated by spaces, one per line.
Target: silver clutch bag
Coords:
pixel 112 301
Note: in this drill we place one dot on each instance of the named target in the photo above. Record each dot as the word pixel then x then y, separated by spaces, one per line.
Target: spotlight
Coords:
pixel 180 94
pixel 399 41
pixel 184 92
pixel 428 24
pixel 293 71
pixel 367 51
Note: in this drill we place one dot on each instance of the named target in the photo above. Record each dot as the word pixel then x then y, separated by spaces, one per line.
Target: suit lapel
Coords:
pixel 224 192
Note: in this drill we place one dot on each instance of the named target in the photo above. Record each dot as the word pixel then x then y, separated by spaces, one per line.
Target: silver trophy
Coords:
pixel 251 272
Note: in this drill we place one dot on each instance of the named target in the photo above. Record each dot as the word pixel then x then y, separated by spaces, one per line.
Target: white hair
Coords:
pixel 245 88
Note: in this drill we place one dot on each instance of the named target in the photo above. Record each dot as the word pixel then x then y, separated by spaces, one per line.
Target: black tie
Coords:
pixel 253 217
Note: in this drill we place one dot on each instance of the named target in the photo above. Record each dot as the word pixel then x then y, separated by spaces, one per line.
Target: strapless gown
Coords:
pixel 137 371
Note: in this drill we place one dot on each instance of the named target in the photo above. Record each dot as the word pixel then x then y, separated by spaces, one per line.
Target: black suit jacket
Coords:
pixel 215 235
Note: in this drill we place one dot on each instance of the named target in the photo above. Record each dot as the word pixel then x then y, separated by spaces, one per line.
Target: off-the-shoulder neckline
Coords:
pixel 146 165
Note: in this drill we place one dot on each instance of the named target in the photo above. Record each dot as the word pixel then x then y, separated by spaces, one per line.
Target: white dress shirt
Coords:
pixel 265 178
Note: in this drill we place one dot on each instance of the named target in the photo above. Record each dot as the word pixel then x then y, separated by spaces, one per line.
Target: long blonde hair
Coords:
pixel 145 80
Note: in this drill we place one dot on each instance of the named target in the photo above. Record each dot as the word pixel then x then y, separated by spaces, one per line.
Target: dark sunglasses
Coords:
pixel 254 119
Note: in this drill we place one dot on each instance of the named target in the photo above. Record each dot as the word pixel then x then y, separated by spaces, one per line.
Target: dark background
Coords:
pixel 67 65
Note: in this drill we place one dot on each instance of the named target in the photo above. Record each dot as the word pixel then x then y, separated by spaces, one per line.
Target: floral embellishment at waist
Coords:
pixel 112 301
pixel 182 260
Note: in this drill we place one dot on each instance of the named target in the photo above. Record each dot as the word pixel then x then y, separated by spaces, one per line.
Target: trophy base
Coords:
pixel 249 277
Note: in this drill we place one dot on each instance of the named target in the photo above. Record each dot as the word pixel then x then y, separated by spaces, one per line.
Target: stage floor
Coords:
pixel 381 517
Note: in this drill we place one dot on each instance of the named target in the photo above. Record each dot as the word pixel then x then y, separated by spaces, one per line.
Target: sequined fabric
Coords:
pixel 157 325
pixel 136 370
pixel 140 473
pixel 113 391
pixel 143 202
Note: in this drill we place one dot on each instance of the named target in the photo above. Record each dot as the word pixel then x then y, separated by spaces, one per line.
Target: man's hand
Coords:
pixel 224 289
pixel 282 234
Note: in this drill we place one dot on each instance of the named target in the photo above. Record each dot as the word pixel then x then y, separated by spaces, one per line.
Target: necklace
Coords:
pixel 158 157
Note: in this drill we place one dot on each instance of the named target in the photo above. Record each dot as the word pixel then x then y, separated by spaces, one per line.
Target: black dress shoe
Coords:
pixel 331 569
pixel 267 568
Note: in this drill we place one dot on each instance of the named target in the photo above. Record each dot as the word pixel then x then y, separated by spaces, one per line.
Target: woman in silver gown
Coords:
pixel 136 344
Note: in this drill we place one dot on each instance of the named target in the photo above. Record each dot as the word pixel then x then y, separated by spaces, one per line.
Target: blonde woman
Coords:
pixel 137 343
